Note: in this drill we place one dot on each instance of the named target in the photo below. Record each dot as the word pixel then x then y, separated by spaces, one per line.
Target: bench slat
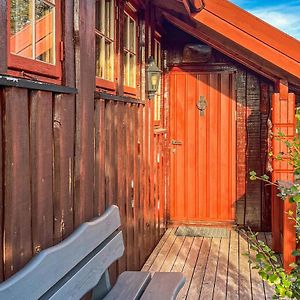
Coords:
pixel 83 278
pixel 164 286
pixel 129 286
pixel 52 264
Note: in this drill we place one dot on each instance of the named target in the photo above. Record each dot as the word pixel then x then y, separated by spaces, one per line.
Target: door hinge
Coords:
pixel 62 51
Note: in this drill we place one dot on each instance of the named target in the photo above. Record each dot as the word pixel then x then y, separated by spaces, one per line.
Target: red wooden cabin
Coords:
pixel 79 133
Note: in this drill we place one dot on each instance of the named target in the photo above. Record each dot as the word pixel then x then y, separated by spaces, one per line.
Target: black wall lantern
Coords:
pixel 153 77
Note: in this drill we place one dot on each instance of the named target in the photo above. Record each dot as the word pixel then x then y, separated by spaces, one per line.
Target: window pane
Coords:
pixel 21 27
pixel 44 35
pixel 132 36
pixel 126 68
pixel 126 32
pixel 99 57
pixel 108 61
pixel 132 72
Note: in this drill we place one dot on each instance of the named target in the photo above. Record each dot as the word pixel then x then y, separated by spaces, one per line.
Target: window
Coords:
pixel 130 50
pixel 105 39
pixel 34 27
pixel 158 96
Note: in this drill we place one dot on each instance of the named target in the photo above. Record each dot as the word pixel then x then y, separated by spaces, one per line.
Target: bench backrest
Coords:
pixel 73 267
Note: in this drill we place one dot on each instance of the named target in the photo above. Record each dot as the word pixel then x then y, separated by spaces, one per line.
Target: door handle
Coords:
pixel 174 142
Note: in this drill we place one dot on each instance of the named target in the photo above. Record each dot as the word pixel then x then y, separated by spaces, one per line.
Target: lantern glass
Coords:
pixel 153 77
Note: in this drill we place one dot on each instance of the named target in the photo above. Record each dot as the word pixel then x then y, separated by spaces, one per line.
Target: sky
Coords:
pixel 284 15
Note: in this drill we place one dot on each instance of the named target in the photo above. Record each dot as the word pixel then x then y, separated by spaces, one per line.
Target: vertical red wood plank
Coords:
pixel 68 34
pixel 151 161
pixel 85 83
pixel 289 229
pixel 100 146
pixel 110 168
pixel 212 110
pixel 17 219
pixel 224 136
pixel 121 190
pixel 136 196
pixel 1 187
pixel 3 36
pixel 203 90
pixel 276 213
pixel 142 183
pixel 283 121
pixel 146 180
pixel 233 143
pixel 191 113
pixel 64 149
pixel 129 194
pixel 41 156
pixel 180 150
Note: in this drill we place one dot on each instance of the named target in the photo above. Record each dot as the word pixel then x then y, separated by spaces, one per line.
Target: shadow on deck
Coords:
pixel 215 268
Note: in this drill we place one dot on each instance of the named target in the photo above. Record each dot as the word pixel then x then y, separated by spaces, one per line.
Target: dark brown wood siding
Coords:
pixel 38 207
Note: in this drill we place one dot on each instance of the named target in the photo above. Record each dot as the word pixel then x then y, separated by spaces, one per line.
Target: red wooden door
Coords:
pixel 203 147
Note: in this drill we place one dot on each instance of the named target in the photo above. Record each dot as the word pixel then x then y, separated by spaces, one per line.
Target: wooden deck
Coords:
pixel 215 268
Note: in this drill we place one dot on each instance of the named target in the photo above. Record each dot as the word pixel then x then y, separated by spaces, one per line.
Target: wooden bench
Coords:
pixel 79 264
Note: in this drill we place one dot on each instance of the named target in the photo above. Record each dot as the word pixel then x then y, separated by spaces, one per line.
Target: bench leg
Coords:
pixel 102 288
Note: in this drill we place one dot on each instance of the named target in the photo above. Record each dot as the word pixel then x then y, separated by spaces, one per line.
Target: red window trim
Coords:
pixel 107 84
pixel 43 70
pixel 133 91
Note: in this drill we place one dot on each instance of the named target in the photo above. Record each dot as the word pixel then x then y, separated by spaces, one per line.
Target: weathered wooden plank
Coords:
pixel 162 254
pixel 3 36
pixel 85 83
pixel 141 182
pixel 64 149
pixel 100 148
pixel 172 255
pixel 182 255
pixel 136 196
pixel 199 272
pixel 221 276
pixel 17 206
pixel 129 188
pixel 2 149
pixel 244 270
pixel 69 52
pixel 256 281
pixel 188 269
pixel 110 168
pixel 208 284
pixel 157 249
pixel 121 184
pixel 41 158
pixel 233 269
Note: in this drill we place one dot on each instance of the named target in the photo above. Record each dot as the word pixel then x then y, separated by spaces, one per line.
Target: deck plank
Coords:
pixel 208 284
pixel 257 286
pixel 158 262
pixel 188 269
pixel 182 255
pixel 233 271
pixel 157 249
pixel 245 272
pixel 221 277
pixel 199 272
pixel 172 255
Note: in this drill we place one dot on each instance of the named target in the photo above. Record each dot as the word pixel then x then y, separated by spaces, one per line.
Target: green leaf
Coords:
pixel 296 252
pixel 274 279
